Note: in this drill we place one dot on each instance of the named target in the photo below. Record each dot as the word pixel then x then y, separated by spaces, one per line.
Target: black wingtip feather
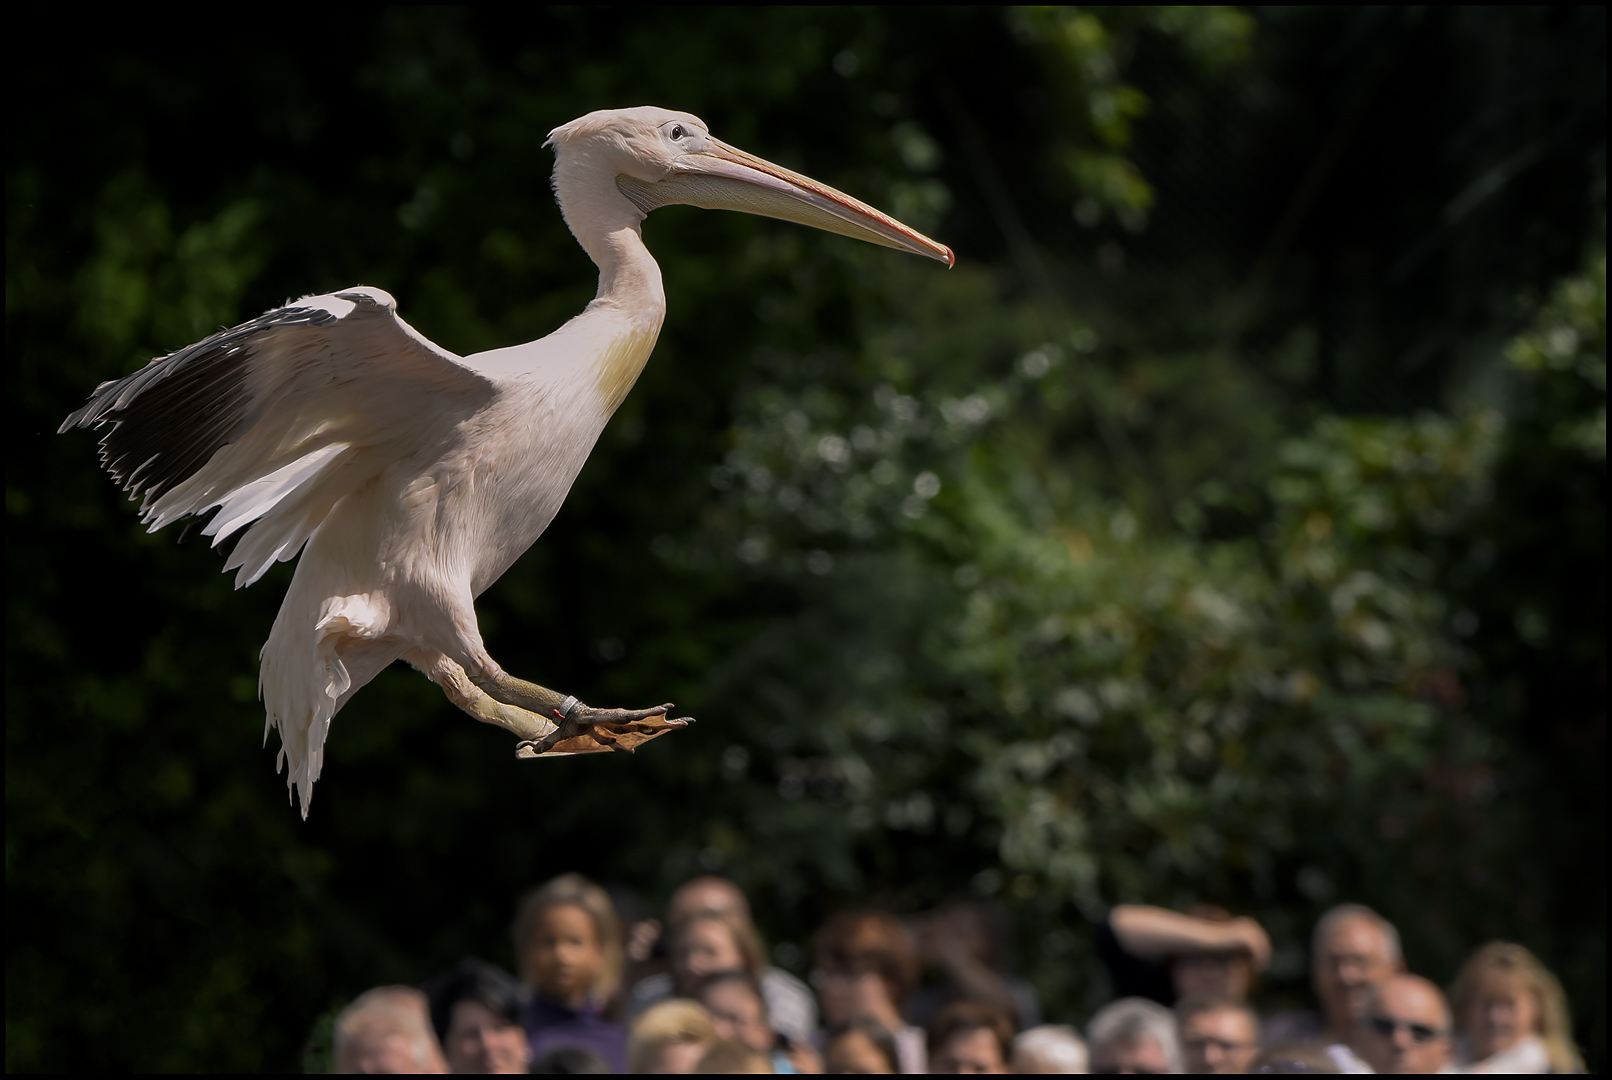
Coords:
pixel 170 417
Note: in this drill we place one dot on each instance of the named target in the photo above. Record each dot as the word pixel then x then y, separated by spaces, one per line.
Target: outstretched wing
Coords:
pixel 275 420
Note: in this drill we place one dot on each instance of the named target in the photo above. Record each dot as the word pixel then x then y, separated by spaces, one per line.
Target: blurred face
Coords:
pixel 1352 959
pixel 565 957
pixel 677 1057
pixel 1503 1012
pixel 1142 1055
pixel 380 1053
pixel 481 1041
pixel 738 1015
pixel 1221 1041
pixel 973 1051
pixel 1406 1029
pixel 705 947
pixel 1225 974
pixel 846 995
pixel 854 1052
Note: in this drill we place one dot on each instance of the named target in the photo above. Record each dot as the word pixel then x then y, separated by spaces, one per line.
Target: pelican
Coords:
pixel 411 479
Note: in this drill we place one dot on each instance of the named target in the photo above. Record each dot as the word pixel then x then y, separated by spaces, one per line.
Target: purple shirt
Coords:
pixel 552 1027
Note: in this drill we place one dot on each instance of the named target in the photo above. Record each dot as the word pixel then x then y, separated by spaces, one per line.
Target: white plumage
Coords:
pixel 409 478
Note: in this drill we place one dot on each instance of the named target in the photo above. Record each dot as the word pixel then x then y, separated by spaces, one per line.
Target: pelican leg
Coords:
pixel 524 724
pixel 504 687
pixel 578 728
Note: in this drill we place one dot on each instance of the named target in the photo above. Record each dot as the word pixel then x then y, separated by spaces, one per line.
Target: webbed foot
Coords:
pixel 586 730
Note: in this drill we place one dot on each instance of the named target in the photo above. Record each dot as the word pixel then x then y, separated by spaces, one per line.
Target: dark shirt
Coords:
pixel 551 1027
pixel 1133 976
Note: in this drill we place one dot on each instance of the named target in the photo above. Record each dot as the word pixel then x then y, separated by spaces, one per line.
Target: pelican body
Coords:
pixel 411 479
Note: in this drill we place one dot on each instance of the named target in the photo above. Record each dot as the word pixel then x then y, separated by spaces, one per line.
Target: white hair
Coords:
pixel 1329 922
pixel 1133 1018
pixel 387 1012
pixel 1055 1046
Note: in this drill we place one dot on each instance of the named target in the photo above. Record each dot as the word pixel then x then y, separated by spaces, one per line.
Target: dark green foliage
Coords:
pixel 1199 538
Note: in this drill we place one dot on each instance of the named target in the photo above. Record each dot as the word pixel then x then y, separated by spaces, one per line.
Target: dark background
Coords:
pixel 1265 567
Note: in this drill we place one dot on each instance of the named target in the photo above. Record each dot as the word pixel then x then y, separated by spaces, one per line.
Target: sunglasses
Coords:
pixel 1386 1026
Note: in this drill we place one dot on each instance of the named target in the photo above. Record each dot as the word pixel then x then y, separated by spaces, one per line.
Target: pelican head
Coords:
pixel 663 158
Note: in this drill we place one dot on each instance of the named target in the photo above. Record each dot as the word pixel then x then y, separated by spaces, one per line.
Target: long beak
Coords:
pixel 723 177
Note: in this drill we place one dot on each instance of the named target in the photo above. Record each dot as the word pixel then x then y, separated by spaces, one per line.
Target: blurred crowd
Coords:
pixel 694 992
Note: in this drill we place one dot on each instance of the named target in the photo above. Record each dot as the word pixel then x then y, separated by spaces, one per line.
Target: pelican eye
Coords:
pixel 677 132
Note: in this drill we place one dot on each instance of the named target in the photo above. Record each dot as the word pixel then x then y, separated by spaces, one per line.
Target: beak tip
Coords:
pixel 951 259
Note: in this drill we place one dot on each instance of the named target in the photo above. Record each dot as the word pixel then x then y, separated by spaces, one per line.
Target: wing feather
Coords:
pixel 274 420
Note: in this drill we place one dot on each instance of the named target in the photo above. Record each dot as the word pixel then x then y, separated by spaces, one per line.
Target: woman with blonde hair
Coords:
pixel 671 1037
pixel 1511 1015
pixel 568 945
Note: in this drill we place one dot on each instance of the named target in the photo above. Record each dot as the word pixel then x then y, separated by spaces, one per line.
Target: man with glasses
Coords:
pixel 1218 1034
pixel 1406 1028
pixel 1352 950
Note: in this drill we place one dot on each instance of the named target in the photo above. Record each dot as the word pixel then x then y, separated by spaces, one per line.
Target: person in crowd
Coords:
pixel 1511 1015
pixel 387 1030
pixel 476 1013
pixel 568 944
pixel 965 944
pixel 1352 949
pixel 710 942
pixel 867 966
pixel 1163 955
pixel 969 1038
pixel 737 1008
pixel 1406 1027
pixel 670 1037
pixel 861 1046
pixel 1133 1035
pixel 790 1004
pixel 1050 1048
pixel 731 1056
pixel 1218 1034
pixel 738 1011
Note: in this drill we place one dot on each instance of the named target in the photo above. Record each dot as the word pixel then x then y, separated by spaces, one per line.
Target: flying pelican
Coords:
pixel 411 478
